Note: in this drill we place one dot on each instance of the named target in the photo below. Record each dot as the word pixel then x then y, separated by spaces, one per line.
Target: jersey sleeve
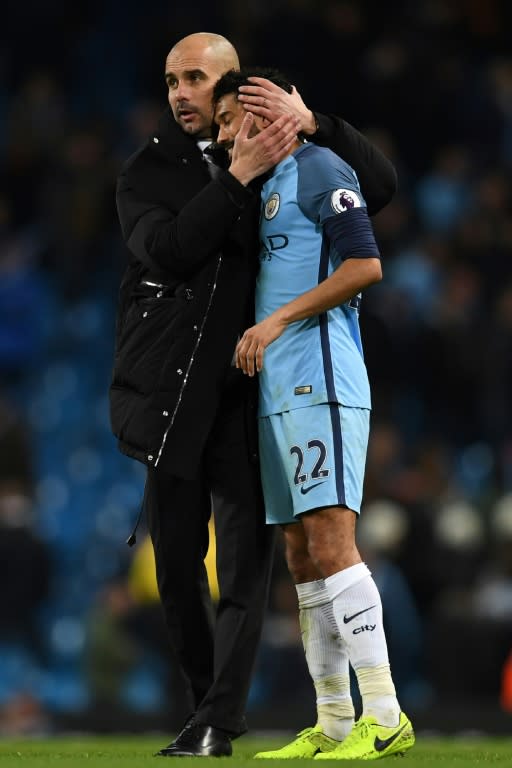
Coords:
pixel 322 177
pixel 376 174
pixel 328 194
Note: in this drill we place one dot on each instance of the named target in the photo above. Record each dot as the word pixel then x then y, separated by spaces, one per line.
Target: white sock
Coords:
pixel 357 609
pixel 327 660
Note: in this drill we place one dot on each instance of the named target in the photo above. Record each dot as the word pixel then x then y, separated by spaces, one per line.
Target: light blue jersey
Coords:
pixel 318 360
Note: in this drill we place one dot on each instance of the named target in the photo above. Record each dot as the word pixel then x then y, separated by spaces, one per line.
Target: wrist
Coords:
pixel 281 316
pixel 244 177
pixel 310 125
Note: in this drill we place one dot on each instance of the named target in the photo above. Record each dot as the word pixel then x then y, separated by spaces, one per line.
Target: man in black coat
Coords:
pixel 177 402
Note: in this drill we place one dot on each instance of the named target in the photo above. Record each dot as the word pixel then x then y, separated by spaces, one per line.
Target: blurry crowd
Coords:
pixel 80 88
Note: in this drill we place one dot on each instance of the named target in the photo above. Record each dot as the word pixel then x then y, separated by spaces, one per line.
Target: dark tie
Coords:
pixel 213 169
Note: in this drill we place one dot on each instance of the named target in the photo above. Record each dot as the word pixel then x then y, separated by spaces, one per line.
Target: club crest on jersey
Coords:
pixel 344 200
pixel 272 206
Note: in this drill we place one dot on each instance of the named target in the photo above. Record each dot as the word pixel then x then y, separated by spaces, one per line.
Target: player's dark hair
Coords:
pixel 232 80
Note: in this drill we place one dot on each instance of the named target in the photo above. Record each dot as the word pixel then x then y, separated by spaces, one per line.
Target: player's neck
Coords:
pixel 296 144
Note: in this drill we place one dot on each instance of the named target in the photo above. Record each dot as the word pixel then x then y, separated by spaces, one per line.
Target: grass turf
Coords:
pixel 125 752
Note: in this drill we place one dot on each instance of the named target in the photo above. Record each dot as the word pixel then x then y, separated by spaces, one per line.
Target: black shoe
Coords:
pixel 199 740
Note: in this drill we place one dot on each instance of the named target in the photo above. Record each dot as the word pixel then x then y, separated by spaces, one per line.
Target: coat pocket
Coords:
pixel 135 423
pixel 147 339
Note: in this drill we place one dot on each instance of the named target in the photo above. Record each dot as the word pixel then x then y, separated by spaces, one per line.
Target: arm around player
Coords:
pixel 376 174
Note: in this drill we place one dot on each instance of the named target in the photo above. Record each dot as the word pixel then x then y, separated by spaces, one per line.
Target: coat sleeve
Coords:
pixel 179 242
pixel 376 174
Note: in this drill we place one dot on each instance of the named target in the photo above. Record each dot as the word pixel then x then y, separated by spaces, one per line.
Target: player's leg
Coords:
pixel 383 729
pixel 326 658
pixel 356 605
pixel 355 600
pixel 326 654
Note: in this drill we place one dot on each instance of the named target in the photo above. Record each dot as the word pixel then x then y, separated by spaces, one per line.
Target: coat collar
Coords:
pixel 173 140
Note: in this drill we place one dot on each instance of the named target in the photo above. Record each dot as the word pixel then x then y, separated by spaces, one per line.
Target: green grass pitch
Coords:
pixel 137 752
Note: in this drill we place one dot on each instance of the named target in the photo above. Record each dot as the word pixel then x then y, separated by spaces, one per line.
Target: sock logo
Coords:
pixel 382 744
pixel 366 628
pixel 346 619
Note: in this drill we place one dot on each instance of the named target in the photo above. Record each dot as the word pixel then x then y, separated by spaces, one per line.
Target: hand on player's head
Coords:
pixel 269 101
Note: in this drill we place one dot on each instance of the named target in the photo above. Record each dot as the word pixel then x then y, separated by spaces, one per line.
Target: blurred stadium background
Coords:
pixel 81 85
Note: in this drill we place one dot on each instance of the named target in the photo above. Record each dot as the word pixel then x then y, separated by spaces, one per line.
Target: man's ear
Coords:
pixel 261 122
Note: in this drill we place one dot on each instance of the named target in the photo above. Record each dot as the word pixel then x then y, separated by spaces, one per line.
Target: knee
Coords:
pixel 330 557
pixel 320 555
pixel 300 565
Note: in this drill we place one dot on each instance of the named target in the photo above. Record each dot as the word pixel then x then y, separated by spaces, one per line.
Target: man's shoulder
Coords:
pixel 135 158
pixel 319 172
pixel 168 141
pixel 314 158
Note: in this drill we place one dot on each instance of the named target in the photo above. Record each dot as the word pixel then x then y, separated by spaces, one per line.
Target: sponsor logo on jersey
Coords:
pixel 272 206
pixel 272 243
pixel 344 200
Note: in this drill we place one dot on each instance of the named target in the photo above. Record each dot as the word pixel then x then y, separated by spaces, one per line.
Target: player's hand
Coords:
pixel 254 155
pixel 269 100
pixel 251 347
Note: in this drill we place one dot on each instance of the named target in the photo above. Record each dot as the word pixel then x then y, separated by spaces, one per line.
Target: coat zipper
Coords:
pixel 189 366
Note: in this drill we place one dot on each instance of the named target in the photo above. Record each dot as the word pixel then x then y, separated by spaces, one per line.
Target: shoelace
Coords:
pixel 303 734
pixel 360 729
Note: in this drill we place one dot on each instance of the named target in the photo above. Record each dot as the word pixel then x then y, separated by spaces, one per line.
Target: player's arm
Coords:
pixel 376 174
pixel 351 277
pixel 352 235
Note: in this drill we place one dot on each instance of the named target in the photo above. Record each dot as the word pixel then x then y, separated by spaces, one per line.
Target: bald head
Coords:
pixel 192 68
pixel 218 48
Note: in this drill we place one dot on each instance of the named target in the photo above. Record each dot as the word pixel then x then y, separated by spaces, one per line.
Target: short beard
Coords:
pixel 198 133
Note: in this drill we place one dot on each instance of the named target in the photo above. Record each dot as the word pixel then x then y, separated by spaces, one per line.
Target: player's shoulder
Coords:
pixel 322 160
pixel 322 174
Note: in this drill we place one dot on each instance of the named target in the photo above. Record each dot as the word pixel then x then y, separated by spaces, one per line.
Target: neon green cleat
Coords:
pixel 370 741
pixel 308 743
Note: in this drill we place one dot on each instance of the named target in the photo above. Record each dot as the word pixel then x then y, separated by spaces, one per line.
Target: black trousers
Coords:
pixel 216 653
